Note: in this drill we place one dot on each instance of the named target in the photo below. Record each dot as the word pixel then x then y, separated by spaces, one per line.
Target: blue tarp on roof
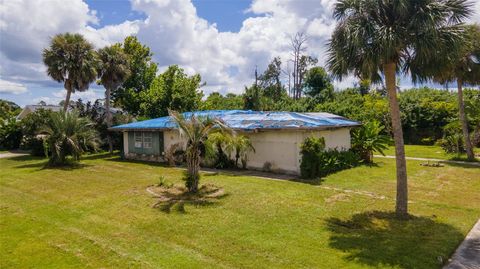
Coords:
pixel 251 120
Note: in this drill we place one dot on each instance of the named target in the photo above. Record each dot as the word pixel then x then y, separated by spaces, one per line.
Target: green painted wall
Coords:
pixel 157 144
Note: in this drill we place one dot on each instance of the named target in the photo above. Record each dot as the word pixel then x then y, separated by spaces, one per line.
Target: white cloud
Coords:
pixel 26 27
pixel 11 87
pixel 226 60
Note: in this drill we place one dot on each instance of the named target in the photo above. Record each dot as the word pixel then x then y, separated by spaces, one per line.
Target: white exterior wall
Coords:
pixel 281 148
pixel 171 137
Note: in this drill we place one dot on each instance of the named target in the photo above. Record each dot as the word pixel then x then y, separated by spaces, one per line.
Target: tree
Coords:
pixel 68 134
pixel 113 71
pixel 196 130
pixel 392 36
pixel 8 109
pixel 270 80
pixel 173 90
pixel 253 98
pixel 142 73
pixel 463 65
pixel 242 145
pixel 367 139
pixel 216 101
pixel 318 84
pixel 72 60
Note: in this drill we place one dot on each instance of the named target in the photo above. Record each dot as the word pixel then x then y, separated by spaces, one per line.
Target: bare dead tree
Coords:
pixel 298 43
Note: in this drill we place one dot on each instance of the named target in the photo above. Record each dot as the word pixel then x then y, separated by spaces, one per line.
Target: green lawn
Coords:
pixel 434 152
pixel 100 216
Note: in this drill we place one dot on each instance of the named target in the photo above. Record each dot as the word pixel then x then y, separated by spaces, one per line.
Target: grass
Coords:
pixel 434 152
pixel 99 215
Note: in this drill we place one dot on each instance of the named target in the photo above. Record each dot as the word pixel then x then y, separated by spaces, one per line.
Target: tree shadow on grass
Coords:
pixel 175 197
pixel 44 165
pixel 379 239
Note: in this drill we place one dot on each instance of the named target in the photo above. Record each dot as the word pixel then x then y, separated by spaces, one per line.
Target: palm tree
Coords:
pixel 368 138
pixel 68 134
pixel 463 65
pixel 72 60
pixel 242 145
pixel 113 71
pixel 389 36
pixel 196 130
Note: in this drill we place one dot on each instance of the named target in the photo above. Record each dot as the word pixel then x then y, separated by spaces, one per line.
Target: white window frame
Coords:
pixel 137 139
pixel 147 140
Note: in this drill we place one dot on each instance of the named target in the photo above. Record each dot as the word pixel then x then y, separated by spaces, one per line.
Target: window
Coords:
pixel 147 140
pixel 138 139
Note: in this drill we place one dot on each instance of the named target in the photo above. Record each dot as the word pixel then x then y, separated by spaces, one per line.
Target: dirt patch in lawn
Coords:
pixel 175 197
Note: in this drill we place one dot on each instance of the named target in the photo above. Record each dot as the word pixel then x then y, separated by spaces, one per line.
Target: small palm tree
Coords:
pixel 242 145
pixel 368 138
pixel 374 37
pixel 463 65
pixel 68 134
pixel 72 60
pixel 113 71
pixel 196 130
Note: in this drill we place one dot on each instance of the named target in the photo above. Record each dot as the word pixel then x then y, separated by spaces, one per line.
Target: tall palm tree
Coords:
pixel 72 60
pixel 196 130
pixel 68 134
pixel 463 65
pixel 113 71
pixel 390 36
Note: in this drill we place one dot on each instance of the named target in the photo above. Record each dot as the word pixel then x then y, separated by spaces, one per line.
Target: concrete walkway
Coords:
pixel 431 160
pixel 467 255
pixel 12 154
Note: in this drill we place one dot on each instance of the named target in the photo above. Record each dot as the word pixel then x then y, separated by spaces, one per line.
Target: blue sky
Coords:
pixel 222 40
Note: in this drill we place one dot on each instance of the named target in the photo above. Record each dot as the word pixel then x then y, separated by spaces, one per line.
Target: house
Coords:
pixel 276 136
pixel 32 108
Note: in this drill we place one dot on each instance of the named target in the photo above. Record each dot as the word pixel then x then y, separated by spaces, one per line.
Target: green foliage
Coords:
pixel 196 131
pixel 318 84
pixel 253 98
pixel 318 162
pixel 68 134
pixel 71 59
pixel 270 81
pixel 173 90
pixel 114 67
pixel 142 73
pixel 216 101
pixel 218 150
pixel 367 139
pixel 8 110
pixel 452 143
pixel 10 134
pixel 95 112
pixel 425 112
pixel 372 34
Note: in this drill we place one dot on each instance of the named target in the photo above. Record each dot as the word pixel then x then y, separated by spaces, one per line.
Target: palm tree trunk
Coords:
pixel 109 118
pixel 463 121
pixel 401 207
pixel 67 98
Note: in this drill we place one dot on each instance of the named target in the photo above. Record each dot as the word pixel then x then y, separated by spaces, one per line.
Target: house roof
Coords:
pixel 32 108
pixel 247 120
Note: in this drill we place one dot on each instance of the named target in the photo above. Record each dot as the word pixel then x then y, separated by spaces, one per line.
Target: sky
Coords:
pixel 222 40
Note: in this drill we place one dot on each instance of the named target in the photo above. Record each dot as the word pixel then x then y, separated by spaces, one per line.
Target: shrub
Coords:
pixel 36 145
pixel 10 134
pixel 367 139
pixel 452 143
pixel 68 134
pixel 318 162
